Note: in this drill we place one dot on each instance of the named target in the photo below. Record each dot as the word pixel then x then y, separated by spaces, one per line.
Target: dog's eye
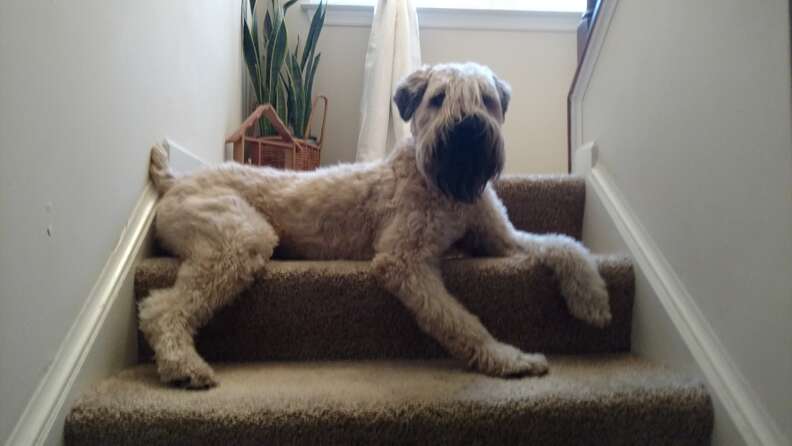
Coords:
pixel 489 102
pixel 437 100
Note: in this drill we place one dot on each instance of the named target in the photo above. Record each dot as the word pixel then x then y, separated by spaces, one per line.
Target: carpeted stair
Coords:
pixel 316 353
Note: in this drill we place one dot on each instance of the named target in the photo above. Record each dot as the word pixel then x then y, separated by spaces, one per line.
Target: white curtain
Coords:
pixel 394 51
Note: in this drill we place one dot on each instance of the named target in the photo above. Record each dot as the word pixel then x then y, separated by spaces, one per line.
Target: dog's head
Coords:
pixel 456 112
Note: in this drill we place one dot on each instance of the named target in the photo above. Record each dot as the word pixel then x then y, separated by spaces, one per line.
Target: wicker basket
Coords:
pixel 283 151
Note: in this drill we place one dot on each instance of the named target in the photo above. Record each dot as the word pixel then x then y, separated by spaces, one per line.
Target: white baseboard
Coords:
pixel 180 159
pixel 78 356
pixel 724 378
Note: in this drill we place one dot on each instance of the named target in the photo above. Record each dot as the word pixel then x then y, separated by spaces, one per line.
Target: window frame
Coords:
pixel 360 13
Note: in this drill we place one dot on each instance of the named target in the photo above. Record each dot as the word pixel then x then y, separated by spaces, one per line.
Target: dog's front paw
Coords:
pixel 193 373
pixel 588 300
pixel 498 359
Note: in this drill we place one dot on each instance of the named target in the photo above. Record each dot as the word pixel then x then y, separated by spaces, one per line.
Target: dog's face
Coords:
pixel 456 111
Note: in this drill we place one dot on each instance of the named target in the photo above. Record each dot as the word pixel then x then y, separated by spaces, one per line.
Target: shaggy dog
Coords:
pixel 402 213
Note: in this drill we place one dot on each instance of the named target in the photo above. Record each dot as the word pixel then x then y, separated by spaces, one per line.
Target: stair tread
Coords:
pixel 351 317
pixel 587 399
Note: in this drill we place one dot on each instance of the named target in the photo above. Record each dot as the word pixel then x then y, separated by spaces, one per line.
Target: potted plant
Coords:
pixel 282 80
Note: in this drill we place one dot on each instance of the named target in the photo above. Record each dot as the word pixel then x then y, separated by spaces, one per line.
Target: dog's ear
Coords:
pixel 504 92
pixel 410 92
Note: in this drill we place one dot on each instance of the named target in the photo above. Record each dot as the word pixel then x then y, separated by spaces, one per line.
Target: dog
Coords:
pixel 432 193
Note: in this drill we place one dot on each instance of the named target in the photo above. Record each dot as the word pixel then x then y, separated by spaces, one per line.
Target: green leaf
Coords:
pixel 313 65
pixel 281 106
pixel 288 83
pixel 267 24
pixel 276 54
pixel 265 55
pixel 291 103
pixel 250 51
pixel 271 42
pixel 246 11
pixel 317 22
pixel 277 11
pixel 288 5
pixel 254 29
pixel 298 90
pixel 307 87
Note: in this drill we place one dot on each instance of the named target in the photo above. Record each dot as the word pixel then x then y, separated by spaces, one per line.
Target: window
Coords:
pixel 527 15
pixel 492 5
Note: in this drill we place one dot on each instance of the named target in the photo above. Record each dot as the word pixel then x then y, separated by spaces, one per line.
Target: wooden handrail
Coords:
pixel 594 14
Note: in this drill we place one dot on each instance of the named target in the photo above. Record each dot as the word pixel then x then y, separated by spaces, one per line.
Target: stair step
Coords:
pixel 585 400
pixel 544 203
pixel 308 310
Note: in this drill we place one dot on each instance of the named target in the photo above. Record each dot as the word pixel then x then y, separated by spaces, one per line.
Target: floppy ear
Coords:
pixel 410 92
pixel 504 92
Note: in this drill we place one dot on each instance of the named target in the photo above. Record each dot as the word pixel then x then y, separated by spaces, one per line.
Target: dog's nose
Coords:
pixel 469 129
pixel 472 123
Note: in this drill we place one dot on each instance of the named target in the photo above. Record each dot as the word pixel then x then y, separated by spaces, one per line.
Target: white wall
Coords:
pixel 538 64
pixel 690 107
pixel 85 89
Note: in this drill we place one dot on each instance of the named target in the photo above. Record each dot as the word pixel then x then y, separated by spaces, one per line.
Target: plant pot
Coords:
pixel 283 151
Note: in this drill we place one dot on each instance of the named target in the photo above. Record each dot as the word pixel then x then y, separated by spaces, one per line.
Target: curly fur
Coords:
pixel 226 222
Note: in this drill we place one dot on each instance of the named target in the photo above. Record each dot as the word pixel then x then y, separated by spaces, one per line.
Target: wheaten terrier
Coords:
pixel 403 213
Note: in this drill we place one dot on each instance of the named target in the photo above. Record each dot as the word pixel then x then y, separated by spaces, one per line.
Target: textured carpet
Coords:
pixel 544 203
pixel 384 382
pixel 335 310
pixel 595 400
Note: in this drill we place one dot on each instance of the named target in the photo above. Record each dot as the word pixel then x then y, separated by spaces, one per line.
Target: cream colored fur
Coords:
pixel 226 222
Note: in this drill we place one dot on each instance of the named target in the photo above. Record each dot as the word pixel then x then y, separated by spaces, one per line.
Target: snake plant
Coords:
pixel 281 77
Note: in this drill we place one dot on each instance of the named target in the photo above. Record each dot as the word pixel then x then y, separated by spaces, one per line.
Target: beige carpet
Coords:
pixel 386 383
pixel 335 310
pixel 603 400
pixel 544 203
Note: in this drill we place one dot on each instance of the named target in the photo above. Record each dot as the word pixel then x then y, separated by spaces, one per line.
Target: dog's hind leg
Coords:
pixel 419 285
pixel 223 241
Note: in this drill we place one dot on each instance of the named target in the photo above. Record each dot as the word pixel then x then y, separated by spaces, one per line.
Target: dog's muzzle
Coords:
pixel 466 157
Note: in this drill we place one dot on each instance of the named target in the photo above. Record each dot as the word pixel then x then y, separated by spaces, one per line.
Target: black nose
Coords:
pixel 469 129
pixel 469 134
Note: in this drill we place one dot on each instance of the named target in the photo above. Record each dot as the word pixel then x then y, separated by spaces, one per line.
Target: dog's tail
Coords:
pixel 159 170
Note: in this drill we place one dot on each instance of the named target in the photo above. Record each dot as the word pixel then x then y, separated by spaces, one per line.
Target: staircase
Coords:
pixel 315 353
